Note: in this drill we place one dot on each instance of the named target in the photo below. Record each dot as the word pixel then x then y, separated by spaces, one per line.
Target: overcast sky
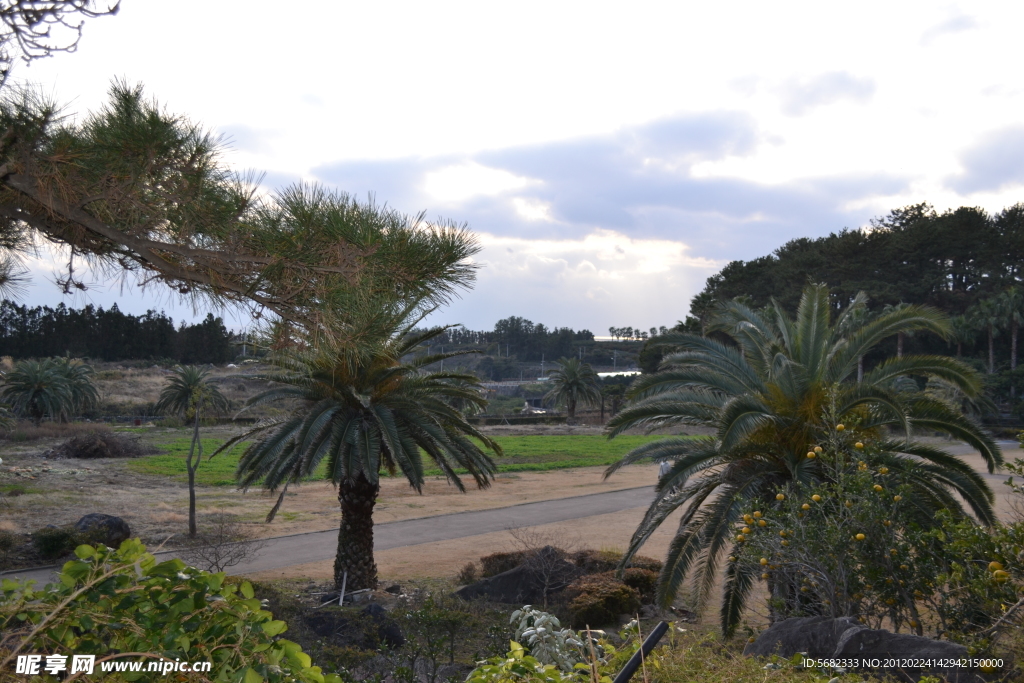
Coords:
pixel 609 156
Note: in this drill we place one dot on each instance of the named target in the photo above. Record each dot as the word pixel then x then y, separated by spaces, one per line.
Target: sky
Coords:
pixel 608 157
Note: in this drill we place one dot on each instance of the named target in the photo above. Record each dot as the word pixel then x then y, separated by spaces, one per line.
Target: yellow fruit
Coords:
pixel 732 558
pixel 858 596
pixel 799 515
pixel 878 487
pixel 858 445
pixel 785 543
pixel 805 506
pixel 893 551
pixel 745 529
pixel 897 498
pixel 761 522
pixel 913 623
pixel 817 449
pixel 995 566
pixel 765 575
pixel 1000 576
pixel 782 533
pixel 748 519
pixel 804 589
pixel 860 537
pixel 811 454
pixel 780 496
pixel 890 601
pixel 751 639
pixel 816 498
pixel 757 514
pixel 764 560
pixel 869 587
pixel 904 567
pixel 886 523
pixel 840 427
pixel 883 470
pixel 740 537
pixel 849 504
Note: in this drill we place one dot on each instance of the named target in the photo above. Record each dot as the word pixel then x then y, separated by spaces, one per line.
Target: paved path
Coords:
pixel 286 551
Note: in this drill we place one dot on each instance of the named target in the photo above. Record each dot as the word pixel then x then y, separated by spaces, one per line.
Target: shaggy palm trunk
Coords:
pixel 860 369
pixel 899 345
pixel 355 538
pixel 991 351
pixel 570 407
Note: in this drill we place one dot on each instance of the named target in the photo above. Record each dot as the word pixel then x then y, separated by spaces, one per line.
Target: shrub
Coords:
pixel 8 542
pixel 99 444
pixel 543 634
pixel 599 599
pixel 497 563
pixel 644 581
pixel 55 542
pixel 468 574
pixel 163 610
pixel 597 561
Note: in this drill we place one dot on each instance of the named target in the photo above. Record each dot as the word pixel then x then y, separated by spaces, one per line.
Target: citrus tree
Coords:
pixel 366 410
pixel 189 393
pixel 773 391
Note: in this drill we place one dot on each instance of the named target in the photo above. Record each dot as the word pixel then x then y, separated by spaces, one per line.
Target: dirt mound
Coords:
pixel 99 445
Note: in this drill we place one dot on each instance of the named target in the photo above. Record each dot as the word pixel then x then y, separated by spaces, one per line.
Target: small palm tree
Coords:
pixel 78 377
pixel 365 409
pixel 37 388
pixel 574 383
pixel 962 331
pixel 775 391
pixel 987 314
pixel 189 394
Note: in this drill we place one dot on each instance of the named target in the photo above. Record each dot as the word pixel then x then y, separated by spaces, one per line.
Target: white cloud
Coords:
pixel 467 180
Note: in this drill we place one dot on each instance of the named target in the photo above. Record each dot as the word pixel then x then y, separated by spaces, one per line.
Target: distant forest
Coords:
pixel 110 335
pixel 966 262
pixel 519 337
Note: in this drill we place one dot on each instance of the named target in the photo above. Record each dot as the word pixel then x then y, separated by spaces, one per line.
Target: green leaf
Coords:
pixel 273 628
pixel 85 551
pixel 251 676
pixel 246 590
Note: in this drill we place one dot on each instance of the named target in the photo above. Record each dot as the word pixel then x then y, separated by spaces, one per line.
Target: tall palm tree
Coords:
pixel 765 395
pixel 573 382
pixel 987 314
pixel 189 393
pixel 1012 303
pixel 962 331
pixel 37 388
pixel 366 409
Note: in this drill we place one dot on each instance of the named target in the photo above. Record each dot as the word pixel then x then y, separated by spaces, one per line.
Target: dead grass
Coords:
pixel 28 432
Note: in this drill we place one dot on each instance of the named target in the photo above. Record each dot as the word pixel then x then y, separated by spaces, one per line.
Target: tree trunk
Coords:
pixel 277 505
pixel 1013 356
pixel 860 369
pixel 991 351
pixel 355 538
pixel 570 407
pixel 602 408
pixel 959 349
pixel 899 345
pixel 192 478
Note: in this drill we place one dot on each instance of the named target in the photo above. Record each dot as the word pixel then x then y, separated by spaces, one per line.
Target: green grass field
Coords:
pixel 521 454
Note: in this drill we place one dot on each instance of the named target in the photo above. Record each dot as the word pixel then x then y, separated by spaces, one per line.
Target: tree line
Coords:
pixel 110 335
pixel 519 337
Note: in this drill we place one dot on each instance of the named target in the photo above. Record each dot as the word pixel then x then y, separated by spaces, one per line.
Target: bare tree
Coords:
pixel 222 542
pixel 545 556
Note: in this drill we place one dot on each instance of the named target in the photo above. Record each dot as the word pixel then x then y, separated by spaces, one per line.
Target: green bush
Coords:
pixel 599 599
pixel 52 543
pixel 108 602
pixel 644 581
pixel 8 542
pixel 497 563
pixel 597 561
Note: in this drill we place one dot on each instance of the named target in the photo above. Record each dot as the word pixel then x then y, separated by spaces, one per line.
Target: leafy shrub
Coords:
pixel 497 563
pixel 599 599
pixel 8 542
pixel 99 444
pixel 547 640
pixel 468 574
pixel 55 542
pixel 597 561
pixel 644 581
pixel 161 609
pixel 432 633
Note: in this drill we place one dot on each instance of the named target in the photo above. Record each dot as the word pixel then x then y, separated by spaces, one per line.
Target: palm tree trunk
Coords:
pixel 899 345
pixel 355 538
pixel 277 505
pixel 959 349
pixel 860 369
pixel 1013 355
pixel 192 478
pixel 991 351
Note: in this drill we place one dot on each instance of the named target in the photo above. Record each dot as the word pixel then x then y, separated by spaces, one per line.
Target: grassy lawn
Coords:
pixel 521 454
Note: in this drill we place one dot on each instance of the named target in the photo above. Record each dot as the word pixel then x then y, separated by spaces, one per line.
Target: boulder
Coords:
pixel 845 638
pixel 365 629
pixel 546 571
pixel 388 630
pixel 106 529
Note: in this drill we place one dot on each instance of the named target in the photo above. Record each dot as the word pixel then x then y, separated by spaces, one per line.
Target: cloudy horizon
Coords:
pixel 608 160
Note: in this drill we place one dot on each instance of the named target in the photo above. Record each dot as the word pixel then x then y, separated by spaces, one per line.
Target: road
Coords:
pixel 287 551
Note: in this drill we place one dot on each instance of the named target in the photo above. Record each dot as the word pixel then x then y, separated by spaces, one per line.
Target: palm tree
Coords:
pixel 988 315
pixel 962 331
pixel 78 376
pixel 1012 303
pixel 189 393
pixel 575 383
pixel 766 395
pixel 37 388
pixel 365 409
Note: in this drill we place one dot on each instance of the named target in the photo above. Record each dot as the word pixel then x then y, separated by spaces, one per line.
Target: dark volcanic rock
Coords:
pixel 388 630
pixel 845 638
pixel 106 529
pixel 365 629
